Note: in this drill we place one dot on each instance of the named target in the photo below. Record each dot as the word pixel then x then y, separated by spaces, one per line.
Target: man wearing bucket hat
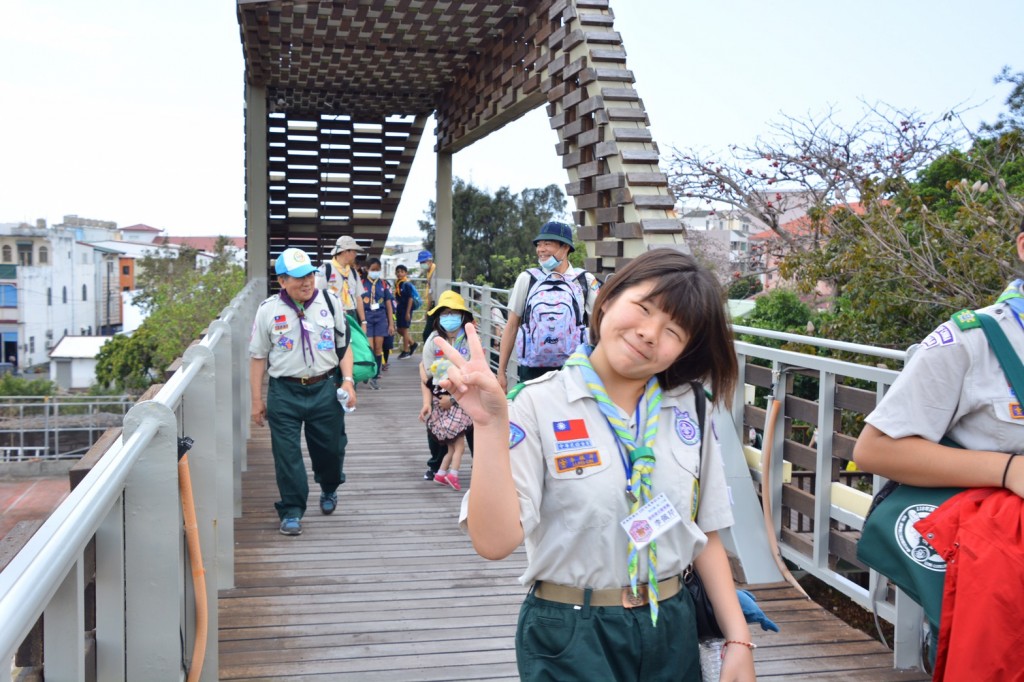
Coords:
pixel 298 335
pixel 548 308
pixel 339 276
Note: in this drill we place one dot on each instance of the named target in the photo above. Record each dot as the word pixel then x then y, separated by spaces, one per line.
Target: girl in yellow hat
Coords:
pixel 447 421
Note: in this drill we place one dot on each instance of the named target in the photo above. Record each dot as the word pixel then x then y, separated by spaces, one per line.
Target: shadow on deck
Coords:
pixel 388 588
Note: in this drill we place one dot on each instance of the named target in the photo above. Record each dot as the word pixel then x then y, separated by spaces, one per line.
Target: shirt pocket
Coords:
pixel 580 483
pixel 1009 413
pixel 676 476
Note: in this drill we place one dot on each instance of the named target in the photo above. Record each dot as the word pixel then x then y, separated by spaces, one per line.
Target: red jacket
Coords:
pixel 980 533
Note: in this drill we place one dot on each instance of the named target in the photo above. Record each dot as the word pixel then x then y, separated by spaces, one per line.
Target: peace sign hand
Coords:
pixel 472 382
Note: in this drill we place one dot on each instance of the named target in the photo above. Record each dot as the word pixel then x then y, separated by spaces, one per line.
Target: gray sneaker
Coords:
pixel 374 384
pixel 328 502
pixel 291 526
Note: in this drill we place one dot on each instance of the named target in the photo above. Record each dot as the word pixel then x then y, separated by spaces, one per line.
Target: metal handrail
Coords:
pixel 34 578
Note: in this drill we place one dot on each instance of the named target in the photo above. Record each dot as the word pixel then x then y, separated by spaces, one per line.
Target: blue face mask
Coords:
pixel 373 274
pixel 550 264
pixel 451 321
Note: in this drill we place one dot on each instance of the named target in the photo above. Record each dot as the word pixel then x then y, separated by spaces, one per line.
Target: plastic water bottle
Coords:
pixel 343 399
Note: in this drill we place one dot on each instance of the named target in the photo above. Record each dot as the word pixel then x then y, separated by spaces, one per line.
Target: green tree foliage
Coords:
pixel 744 287
pixel 181 300
pixel 780 310
pixel 17 385
pixel 493 235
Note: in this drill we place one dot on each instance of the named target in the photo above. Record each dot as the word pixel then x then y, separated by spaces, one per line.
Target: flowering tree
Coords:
pixel 908 218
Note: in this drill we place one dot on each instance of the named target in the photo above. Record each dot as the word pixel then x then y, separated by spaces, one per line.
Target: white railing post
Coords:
pixel 227 433
pixel 64 628
pixel 153 550
pixel 823 476
pixel 202 424
pixel 110 596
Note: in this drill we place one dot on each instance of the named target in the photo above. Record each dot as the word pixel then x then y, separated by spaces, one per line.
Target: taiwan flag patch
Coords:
pixel 571 433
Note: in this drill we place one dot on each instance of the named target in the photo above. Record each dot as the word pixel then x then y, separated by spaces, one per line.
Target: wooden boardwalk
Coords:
pixel 388 588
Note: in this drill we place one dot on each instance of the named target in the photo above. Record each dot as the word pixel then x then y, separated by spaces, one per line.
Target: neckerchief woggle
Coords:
pixel 1014 297
pixel 300 310
pixel 641 460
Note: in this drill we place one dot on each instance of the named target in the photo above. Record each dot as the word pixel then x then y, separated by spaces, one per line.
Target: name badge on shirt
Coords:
pixel 375 306
pixel 651 520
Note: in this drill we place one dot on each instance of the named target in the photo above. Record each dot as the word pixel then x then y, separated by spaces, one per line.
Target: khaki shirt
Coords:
pixel 953 385
pixel 347 288
pixel 572 491
pixel 276 336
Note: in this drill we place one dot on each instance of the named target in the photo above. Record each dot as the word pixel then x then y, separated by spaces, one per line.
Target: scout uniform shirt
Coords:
pixel 571 483
pixel 277 336
pixel 953 385
pixel 348 287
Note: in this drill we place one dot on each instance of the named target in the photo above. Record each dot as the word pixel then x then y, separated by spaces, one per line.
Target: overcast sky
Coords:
pixel 132 110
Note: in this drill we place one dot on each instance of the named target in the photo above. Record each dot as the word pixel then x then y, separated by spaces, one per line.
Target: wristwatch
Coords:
pixel 349 380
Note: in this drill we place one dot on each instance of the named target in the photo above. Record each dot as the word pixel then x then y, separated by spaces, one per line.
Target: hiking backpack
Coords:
pixel 554 319
pixel 417 302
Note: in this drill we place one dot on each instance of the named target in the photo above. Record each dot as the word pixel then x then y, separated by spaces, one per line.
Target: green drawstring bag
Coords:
pixel 890 545
pixel 364 365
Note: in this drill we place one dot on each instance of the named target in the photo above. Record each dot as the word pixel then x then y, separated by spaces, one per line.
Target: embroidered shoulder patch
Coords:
pixel 966 319
pixel 516 435
pixel 686 428
pixel 943 336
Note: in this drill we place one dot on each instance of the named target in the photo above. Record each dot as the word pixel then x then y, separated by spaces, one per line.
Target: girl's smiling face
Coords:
pixel 637 338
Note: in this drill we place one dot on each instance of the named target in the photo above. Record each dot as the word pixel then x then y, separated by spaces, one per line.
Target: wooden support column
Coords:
pixel 443 223
pixel 256 241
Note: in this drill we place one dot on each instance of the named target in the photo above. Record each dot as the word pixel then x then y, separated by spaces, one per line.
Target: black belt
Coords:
pixel 306 381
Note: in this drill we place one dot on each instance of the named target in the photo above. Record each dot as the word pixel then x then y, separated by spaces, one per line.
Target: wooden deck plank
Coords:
pixel 388 588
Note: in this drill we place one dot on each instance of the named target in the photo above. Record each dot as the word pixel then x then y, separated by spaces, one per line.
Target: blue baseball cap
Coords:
pixel 424 256
pixel 294 263
pixel 556 231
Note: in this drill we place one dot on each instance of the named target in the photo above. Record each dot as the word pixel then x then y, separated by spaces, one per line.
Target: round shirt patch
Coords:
pixel 516 435
pixel 686 428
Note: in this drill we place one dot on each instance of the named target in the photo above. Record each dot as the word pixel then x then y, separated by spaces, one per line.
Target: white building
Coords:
pixel 73 361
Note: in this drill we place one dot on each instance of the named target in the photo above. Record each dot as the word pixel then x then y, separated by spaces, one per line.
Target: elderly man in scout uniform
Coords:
pixel 300 333
pixel 340 277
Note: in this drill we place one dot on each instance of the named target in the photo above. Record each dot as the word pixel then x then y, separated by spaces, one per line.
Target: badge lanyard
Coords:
pixel 641 458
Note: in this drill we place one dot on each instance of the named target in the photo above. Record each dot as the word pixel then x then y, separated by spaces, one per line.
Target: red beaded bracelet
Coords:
pixel 749 645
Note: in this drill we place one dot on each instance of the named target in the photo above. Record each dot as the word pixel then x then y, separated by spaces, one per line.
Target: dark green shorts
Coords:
pixel 559 642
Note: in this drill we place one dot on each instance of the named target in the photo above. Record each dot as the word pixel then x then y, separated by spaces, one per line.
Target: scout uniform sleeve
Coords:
pixel 526 456
pixel 924 399
pixel 527 461
pixel 715 511
pixel 259 339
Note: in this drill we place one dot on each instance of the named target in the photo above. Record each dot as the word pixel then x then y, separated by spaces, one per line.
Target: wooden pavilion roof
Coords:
pixel 366 58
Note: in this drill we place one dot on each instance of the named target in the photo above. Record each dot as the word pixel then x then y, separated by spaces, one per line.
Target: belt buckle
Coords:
pixel 630 600
pixel 305 380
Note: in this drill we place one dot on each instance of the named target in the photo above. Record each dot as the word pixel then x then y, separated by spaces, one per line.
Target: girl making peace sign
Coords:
pixel 602 470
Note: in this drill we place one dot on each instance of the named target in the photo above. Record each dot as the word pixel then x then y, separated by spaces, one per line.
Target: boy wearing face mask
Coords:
pixel 553 244
pixel 445 419
pixel 378 302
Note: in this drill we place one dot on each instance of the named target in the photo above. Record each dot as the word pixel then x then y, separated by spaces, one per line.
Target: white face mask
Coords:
pixel 373 274
pixel 550 264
